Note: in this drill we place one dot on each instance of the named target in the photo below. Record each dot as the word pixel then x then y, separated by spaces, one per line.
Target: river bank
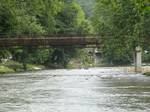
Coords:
pixel 15 67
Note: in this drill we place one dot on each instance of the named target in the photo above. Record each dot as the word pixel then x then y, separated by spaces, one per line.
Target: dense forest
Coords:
pixel 123 24
pixel 120 24
pixel 88 6
pixel 43 17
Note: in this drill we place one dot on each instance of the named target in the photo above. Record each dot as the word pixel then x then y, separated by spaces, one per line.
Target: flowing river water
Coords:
pixel 80 90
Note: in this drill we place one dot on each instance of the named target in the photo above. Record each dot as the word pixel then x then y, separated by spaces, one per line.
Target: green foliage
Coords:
pixel 88 6
pixel 62 56
pixel 82 60
pixel 122 25
pixel 4 53
pixel 51 16
pixel 39 56
pixel 4 69
pixel 147 74
pixel 84 57
pixel 85 28
pixel 29 25
pixel 146 54
pixel 13 66
pixel 69 19
pixel 16 66
pixel 42 17
pixel 28 17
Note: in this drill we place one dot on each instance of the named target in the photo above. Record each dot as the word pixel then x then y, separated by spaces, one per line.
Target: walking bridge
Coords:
pixel 81 42
pixel 69 42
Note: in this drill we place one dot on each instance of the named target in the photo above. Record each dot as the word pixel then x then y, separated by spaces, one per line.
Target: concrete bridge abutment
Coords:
pixel 138 59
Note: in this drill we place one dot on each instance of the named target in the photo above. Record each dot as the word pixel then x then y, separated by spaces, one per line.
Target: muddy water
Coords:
pixel 83 90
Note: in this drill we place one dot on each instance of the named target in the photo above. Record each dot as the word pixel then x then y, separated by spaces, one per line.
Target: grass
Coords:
pixel 4 69
pixel 13 67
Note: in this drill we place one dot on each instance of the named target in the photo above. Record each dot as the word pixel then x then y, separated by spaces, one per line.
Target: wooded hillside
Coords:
pixel 88 6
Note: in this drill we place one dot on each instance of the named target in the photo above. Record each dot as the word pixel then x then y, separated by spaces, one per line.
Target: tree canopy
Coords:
pixel 122 25
pixel 88 6
pixel 41 17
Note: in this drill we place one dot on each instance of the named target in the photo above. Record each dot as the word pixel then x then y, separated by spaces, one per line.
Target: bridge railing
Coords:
pixel 45 35
pixel 49 41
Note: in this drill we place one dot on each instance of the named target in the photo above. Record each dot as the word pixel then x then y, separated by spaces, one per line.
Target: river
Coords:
pixel 80 90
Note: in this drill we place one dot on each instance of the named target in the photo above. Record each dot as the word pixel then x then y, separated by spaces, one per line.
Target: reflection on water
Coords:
pixel 91 90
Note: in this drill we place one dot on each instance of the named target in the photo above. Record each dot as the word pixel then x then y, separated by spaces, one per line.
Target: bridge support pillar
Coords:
pixel 138 59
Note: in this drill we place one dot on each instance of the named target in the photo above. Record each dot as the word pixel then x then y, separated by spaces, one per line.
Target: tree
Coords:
pixel 88 6
pixel 28 17
pixel 121 26
pixel 41 17
pixel 70 18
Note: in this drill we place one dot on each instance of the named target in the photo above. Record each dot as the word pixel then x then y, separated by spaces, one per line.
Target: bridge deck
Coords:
pixel 50 41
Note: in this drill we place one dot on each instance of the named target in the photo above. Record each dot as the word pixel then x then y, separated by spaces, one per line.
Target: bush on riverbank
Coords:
pixel 13 66
pixel 147 74
pixel 4 69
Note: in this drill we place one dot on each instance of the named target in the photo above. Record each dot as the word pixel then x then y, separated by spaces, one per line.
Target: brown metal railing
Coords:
pixel 50 41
